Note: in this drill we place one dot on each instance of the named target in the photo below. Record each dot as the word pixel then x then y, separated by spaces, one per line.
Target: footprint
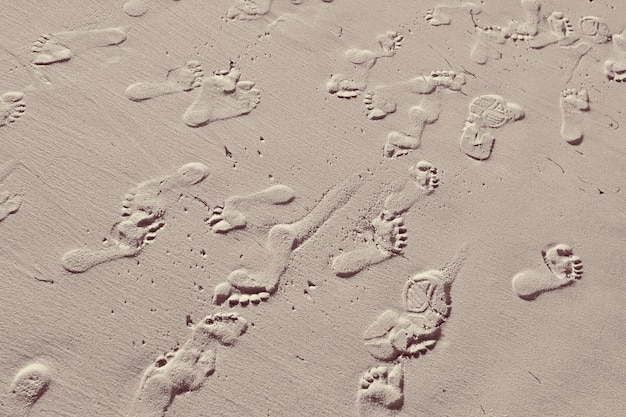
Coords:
pixel 560 31
pixel 483 49
pixel 281 241
pixel 27 387
pixel 187 368
pixel 352 84
pixel 565 269
pixel 595 29
pixel 528 27
pixel 400 144
pixel 486 113
pixel 439 15
pixel 389 235
pixel 9 204
pixel 574 54
pixel 379 103
pixel 615 67
pixel 136 8
pixel 62 46
pixel 11 107
pixel 381 391
pixel 183 78
pixel 142 216
pixel 248 9
pixel 222 96
pixel 573 103
pixel 232 215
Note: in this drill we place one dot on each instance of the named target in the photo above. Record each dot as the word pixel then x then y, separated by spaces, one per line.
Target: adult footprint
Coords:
pixel 222 96
pixel 573 103
pixel 62 46
pixel 11 107
pixel 565 268
pixel 381 391
pixel 27 387
pixel 183 78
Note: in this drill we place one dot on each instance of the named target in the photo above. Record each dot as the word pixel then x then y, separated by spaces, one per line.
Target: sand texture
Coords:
pixel 313 208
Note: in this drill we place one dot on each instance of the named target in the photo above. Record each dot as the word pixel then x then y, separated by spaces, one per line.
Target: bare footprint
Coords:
pixel 186 369
pixel 62 46
pixel 142 216
pixel 136 8
pixel 400 144
pixel 222 96
pixel 561 31
pixel 9 204
pixel 183 78
pixel 27 387
pixel 381 391
pixel 440 15
pixel 565 268
pixel 389 235
pixel 232 215
pixel 248 9
pixel 282 241
pixel 484 48
pixel 573 103
pixel 11 107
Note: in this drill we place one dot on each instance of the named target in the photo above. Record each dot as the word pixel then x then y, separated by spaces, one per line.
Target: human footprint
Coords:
pixel 27 387
pixel 248 9
pixel 615 66
pixel 185 369
pixel 222 96
pixel 183 78
pixel 561 31
pixel 9 204
pixel 142 216
pixel 381 391
pixel 11 107
pixel 486 113
pixel 565 269
pixel 136 8
pixel 399 143
pixel 362 60
pixel 389 235
pixel 62 46
pixel 244 286
pixel 573 103
pixel 439 15
pixel 232 215
pixel 381 102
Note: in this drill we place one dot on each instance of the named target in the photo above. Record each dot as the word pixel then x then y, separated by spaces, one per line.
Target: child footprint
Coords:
pixel 565 268
pixel 61 46
pixel 11 107
pixel 27 387
pixel 573 103
pixel 183 78
pixel 381 391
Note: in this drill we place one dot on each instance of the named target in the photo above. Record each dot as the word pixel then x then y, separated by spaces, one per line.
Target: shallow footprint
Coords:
pixel 222 97
pixel 27 387
pixel 248 9
pixel 438 15
pixel 62 46
pixel 573 103
pixel 381 391
pixel 9 204
pixel 399 143
pixel 183 78
pixel 11 107
pixel 136 8
pixel 565 268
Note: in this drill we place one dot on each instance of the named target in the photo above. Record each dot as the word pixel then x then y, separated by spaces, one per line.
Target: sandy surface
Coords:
pixel 261 208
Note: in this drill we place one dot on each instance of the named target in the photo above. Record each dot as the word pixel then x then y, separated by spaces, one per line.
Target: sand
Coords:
pixel 313 208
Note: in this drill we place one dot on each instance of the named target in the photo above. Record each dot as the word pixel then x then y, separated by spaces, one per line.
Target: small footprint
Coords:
pixel 232 215
pixel 136 8
pixel 561 31
pixel 243 286
pixel 389 235
pixel 573 103
pixel 615 66
pixel 183 78
pixel 11 107
pixel 248 9
pixel 439 15
pixel 142 216
pixel 362 60
pixel 27 387
pixel 62 46
pixel 565 268
pixel 222 96
pixel 399 143
pixel 381 391
pixel 9 204
pixel 187 368
pixel 595 29
pixel 484 50
pixel 486 113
